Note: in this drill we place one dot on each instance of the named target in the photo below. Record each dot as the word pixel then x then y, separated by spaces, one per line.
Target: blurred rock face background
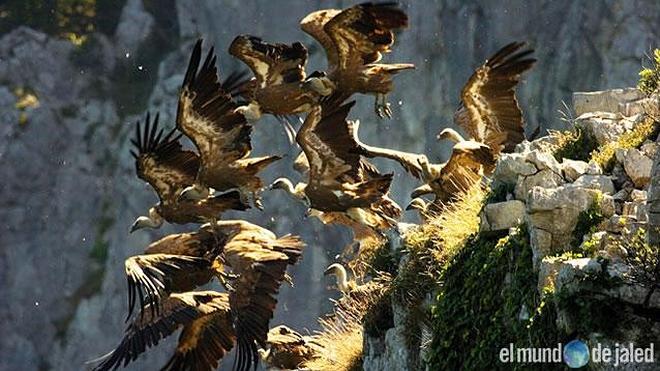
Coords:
pixel 75 76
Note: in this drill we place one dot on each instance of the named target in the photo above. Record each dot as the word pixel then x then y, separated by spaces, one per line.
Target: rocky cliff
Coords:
pixel 561 251
pixel 69 98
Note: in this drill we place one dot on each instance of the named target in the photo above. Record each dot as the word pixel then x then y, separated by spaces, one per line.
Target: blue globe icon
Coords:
pixel 576 354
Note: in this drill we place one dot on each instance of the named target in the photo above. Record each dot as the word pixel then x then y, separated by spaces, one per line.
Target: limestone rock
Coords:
pixel 638 167
pixel 545 178
pixel 135 25
pixel 573 169
pixel 606 100
pixel 602 183
pixel 503 215
pixel 605 126
pixel 638 106
pixel 512 165
pixel 552 214
pixel 543 161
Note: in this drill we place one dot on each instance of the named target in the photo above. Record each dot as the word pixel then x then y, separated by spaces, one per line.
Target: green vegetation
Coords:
pixel 605 155
pixel 432 245
pixel 70 19
pixel 644 261
pixel 587 223
pixel 649 78
pixel 489 299
pixel 577 144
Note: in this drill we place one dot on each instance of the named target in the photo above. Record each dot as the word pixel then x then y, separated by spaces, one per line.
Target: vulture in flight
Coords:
pixel 489 113
pixel 208 333
pixel 287 349
pixel 207 115
pixel 161 161
pixel 257 260
pixel 354 40
pixel 342 186
pixel 280 86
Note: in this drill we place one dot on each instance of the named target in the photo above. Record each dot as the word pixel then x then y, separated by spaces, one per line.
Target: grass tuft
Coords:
pixel 342 341
pixel 577 144
pixel 649 78
pixel 605 155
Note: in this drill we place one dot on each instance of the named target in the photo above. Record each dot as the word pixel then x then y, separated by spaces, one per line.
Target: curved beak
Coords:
pixel 328 271
pixel 410 206
pixel 134 227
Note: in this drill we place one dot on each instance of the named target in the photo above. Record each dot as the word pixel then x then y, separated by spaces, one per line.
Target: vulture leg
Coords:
pixel 382 107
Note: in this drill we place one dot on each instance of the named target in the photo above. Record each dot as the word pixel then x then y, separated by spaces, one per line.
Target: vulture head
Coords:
pixel 418 204
pixel 154 220
pixel 297 191
pixel 450 134
pixel 338 271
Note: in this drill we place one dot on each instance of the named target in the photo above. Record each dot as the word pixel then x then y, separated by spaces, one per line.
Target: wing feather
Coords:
pixel 313 25
pixel 272 64
pixel 178 310
pixel 363 32
pixel 489 111
pixel 206 111
pixel 161 161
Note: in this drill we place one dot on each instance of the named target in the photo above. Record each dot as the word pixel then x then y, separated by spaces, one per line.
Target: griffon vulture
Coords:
pixel 287 349
pixel 354 40
pixel 206 114
pixel 489 112
pixel 281 86
pixel 342 187
pixel 257 260
pixel 168 168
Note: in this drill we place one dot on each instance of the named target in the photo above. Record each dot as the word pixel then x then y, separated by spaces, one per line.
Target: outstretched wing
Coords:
pixel 178 310
pixel 161 161
pixel 467 165
pixel 328 140
pixel 363 32
pixel 206 112
pixel 203 343
pixel 489 110
pixel 272 64
pixel 149 277
pixel 260 263
pixel 313 25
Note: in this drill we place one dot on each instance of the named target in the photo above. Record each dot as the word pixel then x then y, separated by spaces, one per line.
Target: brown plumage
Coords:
pixel 206 114
pixel 208 333
pixel 281 86
pixel 176 263
pixel 342 186
pixel 489 111
pixel 354 40
pixel 251 259
pixel 287 349
pixel 161 161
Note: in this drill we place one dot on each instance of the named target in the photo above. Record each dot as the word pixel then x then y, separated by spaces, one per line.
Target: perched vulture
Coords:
pixel 168 168
pixel 287 349
pixel 354 40
pixel 280 86
pixel 251 260
pixel 206 114
pixel 489 112
pixel 208 332
pixel 342 187
pixel 357 299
